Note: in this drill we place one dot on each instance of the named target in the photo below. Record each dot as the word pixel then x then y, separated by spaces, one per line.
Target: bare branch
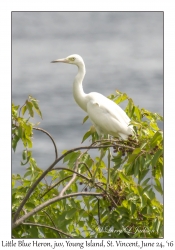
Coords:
pixel 45 173
pixel 44 131
pixel 49 202
pixel 53 228
pixel 96 184
pixel 73 177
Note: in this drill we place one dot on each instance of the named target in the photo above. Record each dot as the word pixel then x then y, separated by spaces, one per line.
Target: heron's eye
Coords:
pixel 72 58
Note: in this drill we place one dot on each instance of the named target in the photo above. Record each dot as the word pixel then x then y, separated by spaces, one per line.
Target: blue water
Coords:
pixel 121 50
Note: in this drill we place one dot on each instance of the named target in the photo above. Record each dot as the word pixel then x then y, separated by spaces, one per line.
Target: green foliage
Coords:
pixel 87 198
pixel 22 128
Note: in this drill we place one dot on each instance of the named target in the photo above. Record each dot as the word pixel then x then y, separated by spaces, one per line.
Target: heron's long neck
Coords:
pixel 79 95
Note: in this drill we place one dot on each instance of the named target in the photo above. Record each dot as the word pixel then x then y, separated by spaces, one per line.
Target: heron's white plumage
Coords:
pixel 107 116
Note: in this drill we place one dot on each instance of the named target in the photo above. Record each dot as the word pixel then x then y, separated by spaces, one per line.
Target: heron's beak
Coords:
pixel 64 60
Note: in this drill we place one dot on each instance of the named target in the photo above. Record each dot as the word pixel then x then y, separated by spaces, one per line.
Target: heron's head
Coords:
pixel 72 59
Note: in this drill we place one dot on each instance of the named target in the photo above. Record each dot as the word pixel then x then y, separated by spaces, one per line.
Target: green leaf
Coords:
pixel 143 145
pixel 156 157
pixel 14 142
pixel 27 141
pixel 70 213
pixel 111 97
pixel 130 107
pixel 143 199
pixel 71 158
pixel 24 163
pixel 81 223
pixel 36 107
pixel 123 177
pixel 148 160
pixel 20 131
pixel 14 111
pixel 141 160
pixel 158 186
pixel 34 232
pixel 30 108
pixel 83 213
pixel 24 155
pixel 138 113
pixel 156 138
pixel 121 98
pixel 86 201
pixel 142 174
pixel 74 188
pixel 158 226
pixel 28 173
pixel 129 169
pixel 136 168
pixel 145 182
pixel 85 119
pixel 150 194
pixel 30 205
pixel 32 98
pixel 161 166
pixel 132 112
pixel 123 211
pixel 86 135
pixel 154 125
pixel 24 108
pixel 117 165
pixel 136 151
pixel 155 224
pixel 146 189
pixel 132 157
pixel 133 208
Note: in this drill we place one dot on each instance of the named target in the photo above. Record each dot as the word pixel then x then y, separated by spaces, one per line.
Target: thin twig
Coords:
pixel 52 221
pixel 49 218
pixel 53 228
pixel 44 131
pixel 72 171
pixel 57 183
pixel 49 202
pixel 86 167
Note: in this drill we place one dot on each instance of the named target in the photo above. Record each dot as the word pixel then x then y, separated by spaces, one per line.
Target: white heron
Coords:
pixel 107 117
